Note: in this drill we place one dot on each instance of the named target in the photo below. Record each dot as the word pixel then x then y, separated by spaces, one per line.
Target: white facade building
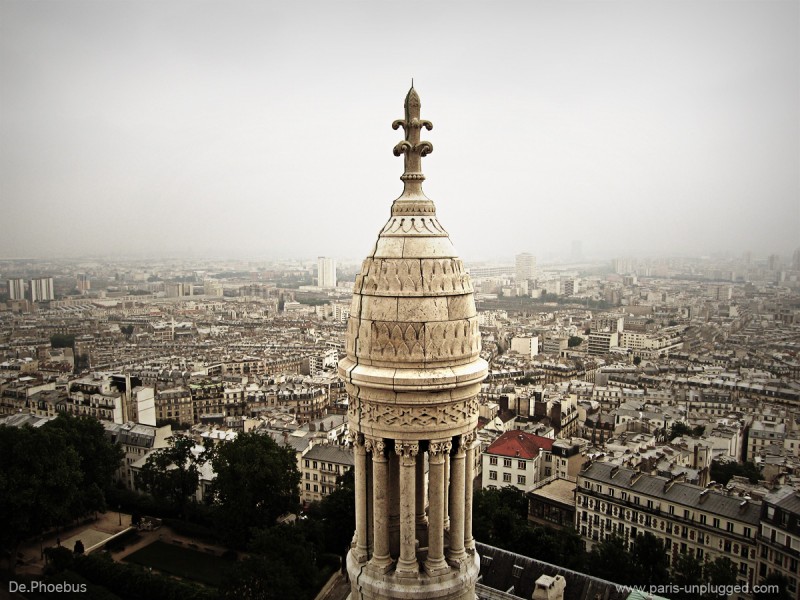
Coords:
pixel 326 272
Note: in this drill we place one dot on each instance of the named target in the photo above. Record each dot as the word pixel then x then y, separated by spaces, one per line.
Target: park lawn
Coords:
pixel 186 563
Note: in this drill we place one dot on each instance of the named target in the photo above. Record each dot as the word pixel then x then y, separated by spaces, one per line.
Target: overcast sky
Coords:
pixel 252 129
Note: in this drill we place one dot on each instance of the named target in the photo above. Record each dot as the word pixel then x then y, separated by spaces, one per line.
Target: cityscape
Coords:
pixel 567 369
pixel 679 372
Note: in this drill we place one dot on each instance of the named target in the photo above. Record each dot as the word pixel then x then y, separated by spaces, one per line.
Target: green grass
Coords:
pixel 184 562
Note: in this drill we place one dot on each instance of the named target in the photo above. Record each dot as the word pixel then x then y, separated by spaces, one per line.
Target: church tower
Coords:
pixel 413 372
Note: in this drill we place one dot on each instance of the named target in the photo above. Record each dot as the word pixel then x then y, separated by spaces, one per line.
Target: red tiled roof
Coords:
pixel 519 444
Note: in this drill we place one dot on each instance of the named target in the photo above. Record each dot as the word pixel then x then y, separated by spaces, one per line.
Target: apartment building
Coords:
pixel 764 434
pixel 175 404
pixel 319 469
pixel 688 518
pixel 779 539
pixel 42 289
pixel 518 459
pixel 601 342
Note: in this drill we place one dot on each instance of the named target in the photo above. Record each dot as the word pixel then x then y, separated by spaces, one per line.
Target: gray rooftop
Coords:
pixel 681 493
pixel 330 453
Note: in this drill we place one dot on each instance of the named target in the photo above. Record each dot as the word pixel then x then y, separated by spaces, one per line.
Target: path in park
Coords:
pixel 91 532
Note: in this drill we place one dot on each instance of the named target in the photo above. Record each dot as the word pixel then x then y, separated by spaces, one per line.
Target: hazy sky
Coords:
pixel 256 130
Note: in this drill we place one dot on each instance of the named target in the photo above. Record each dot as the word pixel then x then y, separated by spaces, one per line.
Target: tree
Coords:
pixel 679 428
pixel 650 560
pixel 172 474
pixel 686 571
pixel 257 481
pixel 40 480
pixel 723 472
pixel 336 512
pixel 574 340
pixel 499 515
pixel 610 560
pixel 777 582
pixel 720 572
pixel 62 340
pixel 98 459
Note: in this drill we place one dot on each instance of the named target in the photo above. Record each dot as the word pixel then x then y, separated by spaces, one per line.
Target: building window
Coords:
pixel 521 479
pixel 521 465
pixel 507 477
pixel 507 463
pixel 493 475
pixel 730 527
pixel 492 460
pixel 308 486
pixel 715 523
pixel 316 488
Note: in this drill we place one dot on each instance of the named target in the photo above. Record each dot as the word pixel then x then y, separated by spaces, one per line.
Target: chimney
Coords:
pixel 549 588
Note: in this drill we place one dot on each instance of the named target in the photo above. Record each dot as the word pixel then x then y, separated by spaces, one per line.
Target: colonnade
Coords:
pixel 393 529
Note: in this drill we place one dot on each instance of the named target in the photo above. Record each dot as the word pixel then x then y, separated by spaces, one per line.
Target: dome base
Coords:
pixel 455 584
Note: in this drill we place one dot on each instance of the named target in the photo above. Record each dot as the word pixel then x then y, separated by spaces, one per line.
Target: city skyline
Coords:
pixel 185 129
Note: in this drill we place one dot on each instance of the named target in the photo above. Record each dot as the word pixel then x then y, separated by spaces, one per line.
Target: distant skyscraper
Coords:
pixel 326 272
pixel 774 262
pixel 42 289
pixel 796 260
pixel 16 289
pixel 83 283
pixel 526 266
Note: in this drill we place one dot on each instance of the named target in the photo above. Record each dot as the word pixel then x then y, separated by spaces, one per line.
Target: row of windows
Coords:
pixel 322 466
pixel 687 514
pixel 521 464
pixel 325 488
pixel 507 477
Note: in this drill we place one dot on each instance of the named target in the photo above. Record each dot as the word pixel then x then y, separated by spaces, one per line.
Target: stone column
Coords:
pixel 361 547
pixel 457 503
pixel 394 503
pixel 447 493
pixel 435 563
pixel 407 565
pixel 370 513
pixel 421 520
pixel 469 476
pixel 381 560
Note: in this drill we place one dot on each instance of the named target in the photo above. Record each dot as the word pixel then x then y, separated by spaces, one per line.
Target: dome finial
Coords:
pixel 411 146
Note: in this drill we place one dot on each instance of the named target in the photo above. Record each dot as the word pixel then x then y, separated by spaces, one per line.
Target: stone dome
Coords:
pixel 413 325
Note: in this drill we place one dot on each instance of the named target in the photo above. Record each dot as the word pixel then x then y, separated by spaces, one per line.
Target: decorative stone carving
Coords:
pixel 440 447
pixel 413 276
pixel 392 415
pixel 407 449
pixel 413 225
pixel 378 447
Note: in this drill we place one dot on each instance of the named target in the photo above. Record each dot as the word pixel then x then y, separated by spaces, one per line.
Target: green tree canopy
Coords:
pixel 99 458
pixel 337 514
pixel 257 481
pixel 723 472
pixel 779 582
pixel 62 340
pixel 606 561
pixel 172 474
pixel 650 560
pixel 40 482
pixel 574 340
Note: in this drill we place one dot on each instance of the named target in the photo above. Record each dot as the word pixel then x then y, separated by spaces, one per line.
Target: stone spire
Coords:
pixel 413 373
pixel 413 150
